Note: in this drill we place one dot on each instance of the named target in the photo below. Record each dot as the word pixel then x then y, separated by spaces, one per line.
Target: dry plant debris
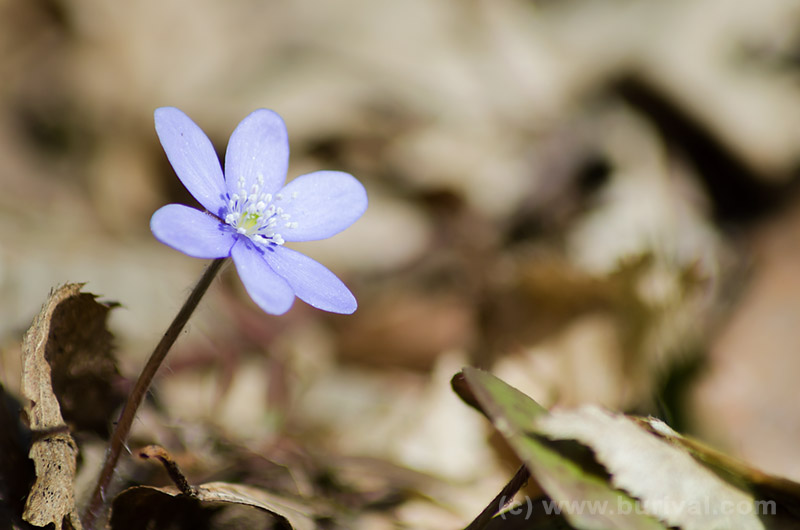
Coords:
pixel 595 200
pixel 53 450
pixel 607 470
pixel 213 505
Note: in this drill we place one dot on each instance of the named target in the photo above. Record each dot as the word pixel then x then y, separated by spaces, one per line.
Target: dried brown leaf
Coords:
pixel 52 497
pixel 563 478
pixel 215 505
pixel 667 481
pixel 83 368
pixel 765 487
pixel 54 452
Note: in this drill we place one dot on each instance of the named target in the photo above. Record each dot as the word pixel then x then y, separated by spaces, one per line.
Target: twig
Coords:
pixel 504 497
pixel 174 472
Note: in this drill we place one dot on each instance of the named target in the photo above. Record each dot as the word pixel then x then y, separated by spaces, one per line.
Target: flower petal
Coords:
pixel 311 281
pixel 265 287
pixel 192 232
pixel 192 157
pixel 322 204
pixel 259 147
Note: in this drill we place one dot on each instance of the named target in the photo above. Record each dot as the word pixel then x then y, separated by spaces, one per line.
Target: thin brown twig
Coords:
pixel 174 472
pixel 96 506
pixel 505 496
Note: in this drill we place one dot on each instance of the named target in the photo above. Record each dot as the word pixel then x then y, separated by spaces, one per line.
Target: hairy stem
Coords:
pixel 96 505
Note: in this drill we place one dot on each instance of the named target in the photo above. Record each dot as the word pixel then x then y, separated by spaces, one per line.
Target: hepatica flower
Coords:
pixel 251 212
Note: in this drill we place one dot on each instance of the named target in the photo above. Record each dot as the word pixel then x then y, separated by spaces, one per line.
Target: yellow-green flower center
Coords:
pixel 249 222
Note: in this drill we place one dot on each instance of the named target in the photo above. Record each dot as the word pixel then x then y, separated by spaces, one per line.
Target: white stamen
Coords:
pixel 253 213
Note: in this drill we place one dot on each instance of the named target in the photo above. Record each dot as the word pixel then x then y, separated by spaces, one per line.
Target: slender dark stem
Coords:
pixel 505 496
pixel 96 507
pixel 174 472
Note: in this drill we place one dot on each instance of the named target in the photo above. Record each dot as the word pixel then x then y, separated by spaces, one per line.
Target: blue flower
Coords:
pixel 251 213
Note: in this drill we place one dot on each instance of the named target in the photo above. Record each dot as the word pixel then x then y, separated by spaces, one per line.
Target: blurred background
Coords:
pixel 595 200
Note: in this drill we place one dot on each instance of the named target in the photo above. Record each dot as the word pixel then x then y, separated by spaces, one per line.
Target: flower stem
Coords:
pixel 96 507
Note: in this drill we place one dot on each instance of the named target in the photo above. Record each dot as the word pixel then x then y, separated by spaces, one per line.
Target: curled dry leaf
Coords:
pixel 565 481
pixel 51 499
pixel 667 481
pixel 83 368
pixel 53 451
pixel 765 488
pixel 606 469
pixel 214 505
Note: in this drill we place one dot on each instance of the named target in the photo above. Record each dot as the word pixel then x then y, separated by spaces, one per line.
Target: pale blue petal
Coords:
pixel 191 231
pixel 192 157
pixel 322 204
pixel 259 147
pixel 265 287
pixel 312 282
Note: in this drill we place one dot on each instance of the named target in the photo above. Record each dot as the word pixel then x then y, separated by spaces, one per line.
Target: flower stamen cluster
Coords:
pixel 256 215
